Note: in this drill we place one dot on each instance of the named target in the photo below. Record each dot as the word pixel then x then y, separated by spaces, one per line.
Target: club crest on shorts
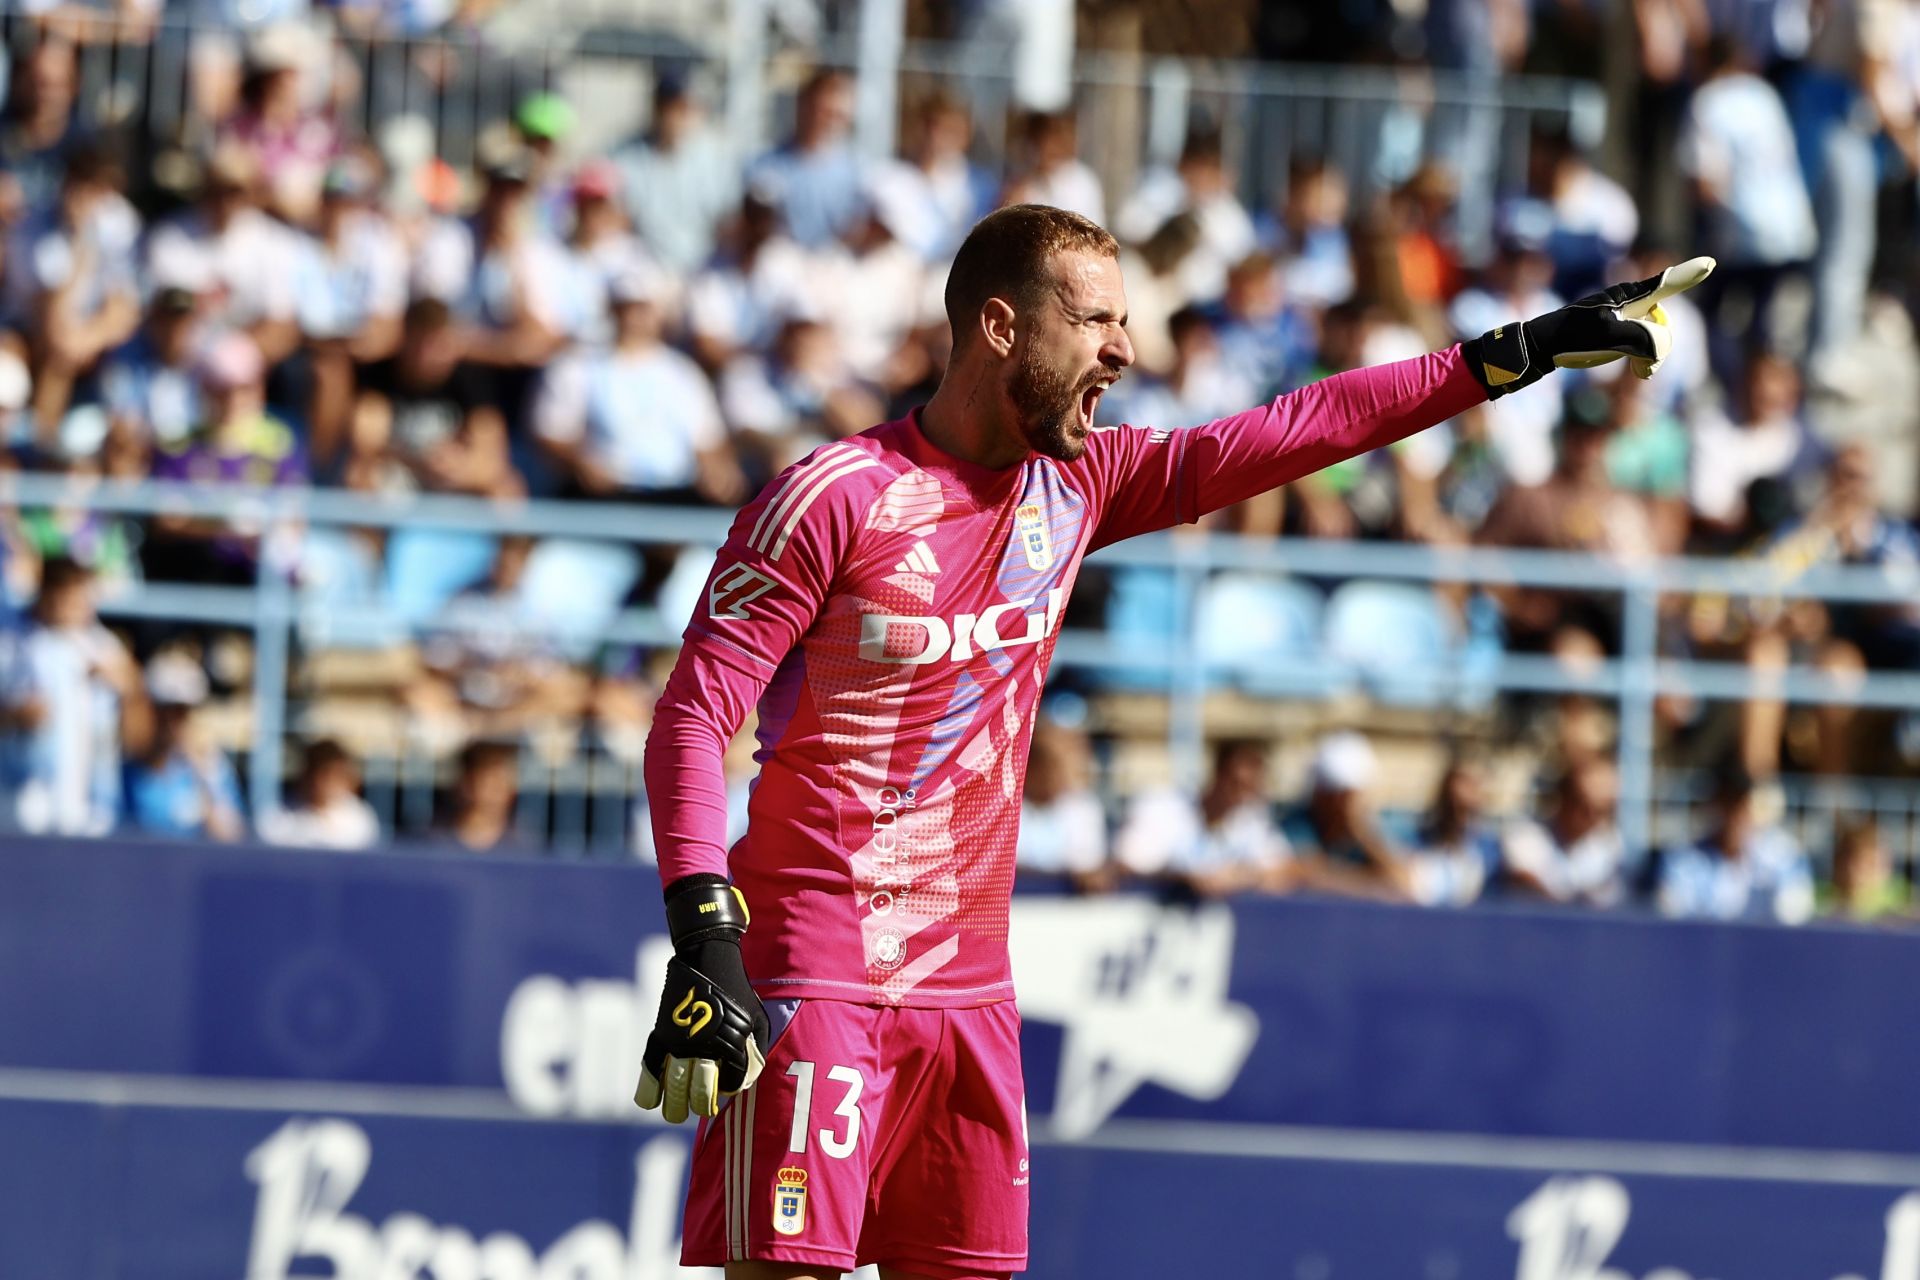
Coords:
pixel 1030 526
pixel 790 1201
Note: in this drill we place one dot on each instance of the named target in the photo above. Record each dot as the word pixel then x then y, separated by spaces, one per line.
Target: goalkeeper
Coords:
pixel 888 606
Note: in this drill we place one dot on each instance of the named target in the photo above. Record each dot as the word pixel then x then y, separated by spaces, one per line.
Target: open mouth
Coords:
pixel 1090 401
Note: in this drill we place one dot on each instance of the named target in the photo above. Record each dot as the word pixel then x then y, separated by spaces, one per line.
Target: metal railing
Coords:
pixel 274 613
pixel 1134 110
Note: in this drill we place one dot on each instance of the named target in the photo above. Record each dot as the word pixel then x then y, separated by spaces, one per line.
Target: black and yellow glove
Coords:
pixel 1624 321
pixel 710 1039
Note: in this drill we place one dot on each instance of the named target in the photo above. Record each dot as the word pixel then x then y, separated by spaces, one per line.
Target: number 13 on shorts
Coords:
pixel 837 1143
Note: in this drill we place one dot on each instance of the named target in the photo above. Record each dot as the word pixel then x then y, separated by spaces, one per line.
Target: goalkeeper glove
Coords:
pixel 1625 320
pixel 710 1039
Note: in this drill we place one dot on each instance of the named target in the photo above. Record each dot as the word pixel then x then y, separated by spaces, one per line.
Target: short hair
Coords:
pixel 1186 320
pixel 1007 255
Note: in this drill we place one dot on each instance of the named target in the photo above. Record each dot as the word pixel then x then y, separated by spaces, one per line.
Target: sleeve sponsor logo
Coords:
pixel 734 588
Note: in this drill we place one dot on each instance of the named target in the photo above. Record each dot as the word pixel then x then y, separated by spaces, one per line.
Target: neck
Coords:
pixel 967 419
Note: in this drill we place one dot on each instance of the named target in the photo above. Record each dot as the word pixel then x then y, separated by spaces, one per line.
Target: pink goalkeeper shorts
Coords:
pixel 875 1134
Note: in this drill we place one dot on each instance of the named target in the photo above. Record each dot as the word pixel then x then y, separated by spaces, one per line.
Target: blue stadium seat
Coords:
pixel 574 589
pixel 1263 633
pixel 426 568
pixel 339 606
pixel 1398 639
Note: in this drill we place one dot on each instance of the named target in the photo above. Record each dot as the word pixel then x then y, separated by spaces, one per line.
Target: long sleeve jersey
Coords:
pixel 891 611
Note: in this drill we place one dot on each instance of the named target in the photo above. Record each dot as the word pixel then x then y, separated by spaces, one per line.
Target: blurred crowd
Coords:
pixel 278 299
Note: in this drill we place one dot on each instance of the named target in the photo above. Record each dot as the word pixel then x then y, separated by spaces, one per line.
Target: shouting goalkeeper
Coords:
pixel 839 1012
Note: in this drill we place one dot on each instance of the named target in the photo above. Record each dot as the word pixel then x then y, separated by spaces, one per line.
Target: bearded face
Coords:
pixel 1056 405
pixel 1075 350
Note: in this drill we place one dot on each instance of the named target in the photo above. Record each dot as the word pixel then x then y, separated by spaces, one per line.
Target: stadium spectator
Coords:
pixel 149 385
pixel 1575 856
pixel 352 291
pixel 1198 387
pixel 679 181
pixel 86 448
pixel 1588 220
pixel 1309 236
pixel 599 248
pixel 1515 283
pixel 756 281
pixel 71 702
pixel 1737 147
pixel 1647 448
pixel 1578 508
pixel 1063 829
pixel 637 420
pixel 289 143
pixel 1744 868
pixel 1223 842
pixel 1863 888
pixel 1054 173
pixel 513 306
pixel 1425 265
pixel 1262 337
pixel 439 417
pixel 939 192
pixel 76 260
pixel 40 125
pixel 1155 290
pixel 485 795
pixel 815 178
pixel 238 443
pixel 244 259
pixel 1202 185
pixel 1340 823
pixel 1455 855
pixel 541 124
pixel 328 812
pixel 798 396
pixel 889 279
pixel 1766 438
pixel 182 786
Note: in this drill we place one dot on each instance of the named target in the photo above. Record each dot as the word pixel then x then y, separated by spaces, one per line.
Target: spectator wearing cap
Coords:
pixel 150 385
pixel 679 181
pixel 814 178
pixel 290 143
pixel 78 272
pixel 248 260
pixel 328 811
pixel 352 291
pixel 1575 855
pixel 39 124
pixel 1222 842
pixel 599 248
pixel 182 786
pixel 1746 867
pixel 542 122
pixel 1201 184
pixel 639 419
pixel 1053 172
pixel 759 278
pixel 937 191
pixel 795 397
pixel 71 700
pixel 239 442
pixel 1340 823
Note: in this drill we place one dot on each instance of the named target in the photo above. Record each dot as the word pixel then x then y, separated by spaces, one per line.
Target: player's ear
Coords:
pixel 996 326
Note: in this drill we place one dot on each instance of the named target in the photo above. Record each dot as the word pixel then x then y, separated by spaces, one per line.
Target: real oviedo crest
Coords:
pixel 1030 526
pixel 790 1201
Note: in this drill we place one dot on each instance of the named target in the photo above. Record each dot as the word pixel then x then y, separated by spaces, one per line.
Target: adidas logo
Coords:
pixel 919 560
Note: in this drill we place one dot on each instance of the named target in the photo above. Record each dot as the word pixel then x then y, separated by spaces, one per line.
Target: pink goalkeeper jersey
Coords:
pixel 891 610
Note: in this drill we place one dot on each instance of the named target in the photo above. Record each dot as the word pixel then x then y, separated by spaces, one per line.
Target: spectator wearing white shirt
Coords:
pixel 74 701
pixel 882 280
pixel 513 305
pixel 1063 829
pixel 352 293
pixel 794 398
pixel 1201 185
pixel 599 247
pixel 1576 856
pixel 1456 853
pixel 249 259
pixel 639 419
pixel 76 263
pixel 1744 868
pixel 328 812
pixel 1223 842
pixel 680 183
pixel 815 178
pixel 755 283
pixel 1055 174
pixel 1765 439
pixel 939 192
pixel 1738 148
